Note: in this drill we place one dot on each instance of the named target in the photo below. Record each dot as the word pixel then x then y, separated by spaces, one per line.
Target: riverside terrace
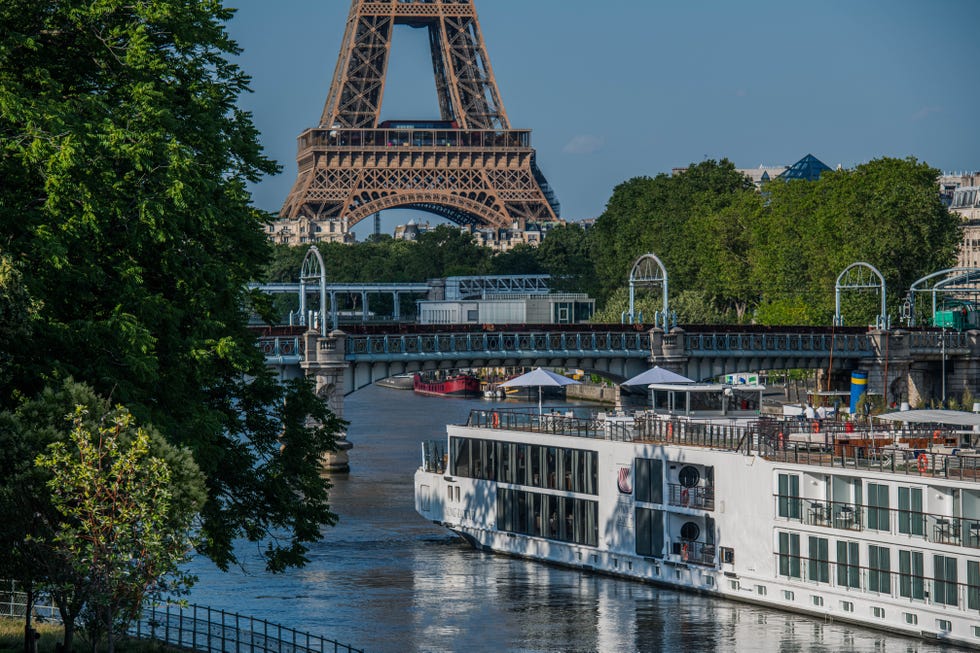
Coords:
pixel 929 454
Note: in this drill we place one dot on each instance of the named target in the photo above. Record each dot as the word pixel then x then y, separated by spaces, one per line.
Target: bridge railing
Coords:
pixel 802 343
pixel 495 343
pixel 933 341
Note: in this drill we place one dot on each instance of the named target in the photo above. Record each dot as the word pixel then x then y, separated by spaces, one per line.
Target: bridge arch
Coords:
pixel 480 210
pixel 648 270
pixel 313 273
pixel 862 276
pixel 958 281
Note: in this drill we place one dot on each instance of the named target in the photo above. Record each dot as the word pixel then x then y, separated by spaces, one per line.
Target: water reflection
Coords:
pixel 387 581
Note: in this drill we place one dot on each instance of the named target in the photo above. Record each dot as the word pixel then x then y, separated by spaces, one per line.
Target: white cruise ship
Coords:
pixel 874 528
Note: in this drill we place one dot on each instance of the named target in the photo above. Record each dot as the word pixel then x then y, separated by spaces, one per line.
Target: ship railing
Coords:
pixel 903 458
pixel 960 530
pixel 434 456
pixel 886 580
pixel 548 422
pixel 694 552
pixel 701 497
pixel 678 431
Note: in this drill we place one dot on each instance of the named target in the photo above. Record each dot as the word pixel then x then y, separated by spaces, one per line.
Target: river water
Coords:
pixel 387 581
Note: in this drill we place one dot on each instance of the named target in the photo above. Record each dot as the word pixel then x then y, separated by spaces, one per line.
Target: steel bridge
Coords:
pixel 901 364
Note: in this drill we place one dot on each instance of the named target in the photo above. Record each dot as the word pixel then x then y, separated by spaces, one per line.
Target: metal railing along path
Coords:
pixel 193 627
pixel 216 631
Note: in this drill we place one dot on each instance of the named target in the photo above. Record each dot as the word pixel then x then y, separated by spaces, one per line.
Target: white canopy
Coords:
pixel 538 377
pixel 656 374
pixel 951 417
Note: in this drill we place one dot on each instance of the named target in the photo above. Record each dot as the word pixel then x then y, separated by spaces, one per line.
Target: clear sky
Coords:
pixel 624 88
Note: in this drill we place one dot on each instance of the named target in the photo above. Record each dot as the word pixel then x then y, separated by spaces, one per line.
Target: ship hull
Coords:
pixel 458 386
pixel 713 521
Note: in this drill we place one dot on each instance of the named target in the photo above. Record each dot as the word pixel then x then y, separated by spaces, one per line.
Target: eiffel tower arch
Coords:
pixel 469 166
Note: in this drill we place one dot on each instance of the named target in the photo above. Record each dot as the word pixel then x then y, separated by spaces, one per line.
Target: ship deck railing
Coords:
pixel 940 528
pixel 922 451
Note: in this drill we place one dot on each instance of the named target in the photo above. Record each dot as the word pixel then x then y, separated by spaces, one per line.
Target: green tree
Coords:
pixel 672 217
pixel 17 315
pixel 886 212
pixel 124 161
pixel 565 255
pixel 520 259
pixel 124 526
pixel 29 519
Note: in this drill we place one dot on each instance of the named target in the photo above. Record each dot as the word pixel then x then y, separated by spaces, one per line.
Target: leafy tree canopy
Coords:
pixel 124 161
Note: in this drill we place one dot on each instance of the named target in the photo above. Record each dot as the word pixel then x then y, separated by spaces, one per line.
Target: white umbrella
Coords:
pixel 539 377
pixel 656 374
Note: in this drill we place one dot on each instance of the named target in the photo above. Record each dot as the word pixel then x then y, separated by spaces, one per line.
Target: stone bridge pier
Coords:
pixel 325 363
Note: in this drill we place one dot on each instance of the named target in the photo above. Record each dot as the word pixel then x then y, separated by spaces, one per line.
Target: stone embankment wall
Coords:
pixel 589 392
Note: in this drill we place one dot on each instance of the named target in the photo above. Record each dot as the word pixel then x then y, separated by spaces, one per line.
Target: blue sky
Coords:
pixel 624 88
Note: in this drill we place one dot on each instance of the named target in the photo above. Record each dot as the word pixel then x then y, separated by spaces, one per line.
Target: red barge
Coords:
pixel 461 385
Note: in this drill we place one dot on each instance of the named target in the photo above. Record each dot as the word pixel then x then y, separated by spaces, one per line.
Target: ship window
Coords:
pixel 819 561
pixel 727 555
pixel 944 625
pixel 461 457
pixel 944 568
pixel 558 518
pixel 789 493
pixel 789 595
pixel 879 613
pixel 761 590
pixel 879 569
pixel 733 584
pixel 847 606
pixel 848 564
pixel 911 521
pixel 911 581
pixel 649 532
pixel 649 480
pixel 817 600
pixel 973 584
pixel 911 618
pixel 689 476
pixel 789 555
pixel 878 507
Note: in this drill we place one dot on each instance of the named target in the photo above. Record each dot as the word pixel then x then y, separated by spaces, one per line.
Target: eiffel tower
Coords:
pixel 469 166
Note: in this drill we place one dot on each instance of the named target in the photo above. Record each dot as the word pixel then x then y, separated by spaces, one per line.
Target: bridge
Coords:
pixel 903 365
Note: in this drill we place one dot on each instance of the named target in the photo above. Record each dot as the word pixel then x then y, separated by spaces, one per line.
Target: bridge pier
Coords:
pixel 325 362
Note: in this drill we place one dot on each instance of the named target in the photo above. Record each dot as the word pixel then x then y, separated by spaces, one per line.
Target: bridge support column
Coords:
pixel 325 362
pixel 890 372
pixel 667 351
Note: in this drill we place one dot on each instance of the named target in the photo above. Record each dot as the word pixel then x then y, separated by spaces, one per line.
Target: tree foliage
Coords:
pixel 734 254
pixel 124 161
pixel 125 518
pixel 30 520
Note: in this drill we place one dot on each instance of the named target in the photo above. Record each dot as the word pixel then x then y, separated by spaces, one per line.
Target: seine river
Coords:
pixel 387 581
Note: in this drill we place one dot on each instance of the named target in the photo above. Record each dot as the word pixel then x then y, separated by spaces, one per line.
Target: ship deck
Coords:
pixel 922 450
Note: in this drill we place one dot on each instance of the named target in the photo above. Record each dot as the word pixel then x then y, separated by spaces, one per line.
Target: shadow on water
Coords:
pixel 388 581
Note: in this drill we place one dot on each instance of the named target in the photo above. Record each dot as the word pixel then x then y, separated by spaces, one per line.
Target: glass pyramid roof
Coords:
pixel 809 168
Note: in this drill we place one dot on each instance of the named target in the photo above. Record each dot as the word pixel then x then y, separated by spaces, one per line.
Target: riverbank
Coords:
pixel 602 394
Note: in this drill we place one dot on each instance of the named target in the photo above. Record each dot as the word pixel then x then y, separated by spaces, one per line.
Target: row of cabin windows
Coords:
pixel 789 504
pixel 555 468
pixel 879 574
pixel 565 519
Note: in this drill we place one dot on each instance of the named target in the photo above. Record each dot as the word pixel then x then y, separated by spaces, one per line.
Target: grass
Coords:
pixel 12 640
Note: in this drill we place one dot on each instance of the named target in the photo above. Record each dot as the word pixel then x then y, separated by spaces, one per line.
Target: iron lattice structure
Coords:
pixel 469 166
